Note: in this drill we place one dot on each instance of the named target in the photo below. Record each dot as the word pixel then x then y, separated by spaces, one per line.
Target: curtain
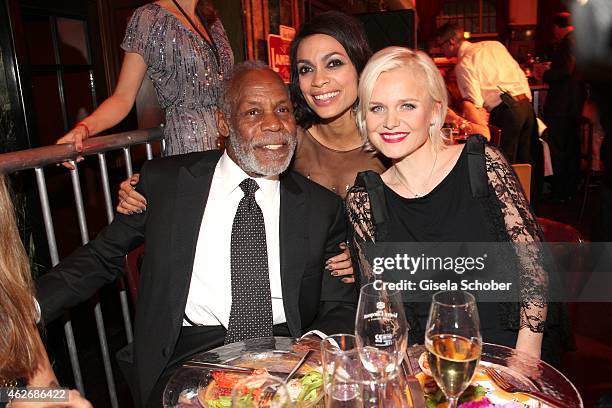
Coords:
pixel 427 10
pixel 502 8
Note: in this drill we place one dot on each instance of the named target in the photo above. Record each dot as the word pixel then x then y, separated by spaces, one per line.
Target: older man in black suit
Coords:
pixel 235 246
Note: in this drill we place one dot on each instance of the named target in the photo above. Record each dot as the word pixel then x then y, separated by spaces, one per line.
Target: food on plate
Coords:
pixel 304 389
pixel 486 403
pixel 434 397
pixel 218 392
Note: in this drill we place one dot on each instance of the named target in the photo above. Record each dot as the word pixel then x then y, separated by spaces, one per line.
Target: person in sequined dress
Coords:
pixel 182 47
pixel 23 359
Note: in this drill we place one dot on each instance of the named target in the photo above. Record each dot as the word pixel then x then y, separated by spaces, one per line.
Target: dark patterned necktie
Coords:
pixel 251 312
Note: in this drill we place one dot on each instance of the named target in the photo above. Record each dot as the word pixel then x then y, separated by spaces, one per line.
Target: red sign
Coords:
pixel 278 56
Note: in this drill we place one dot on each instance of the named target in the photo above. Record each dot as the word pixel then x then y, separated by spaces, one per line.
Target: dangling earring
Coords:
pixel 431 126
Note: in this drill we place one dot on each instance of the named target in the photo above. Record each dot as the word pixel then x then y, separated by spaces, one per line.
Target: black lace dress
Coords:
pixel 449 213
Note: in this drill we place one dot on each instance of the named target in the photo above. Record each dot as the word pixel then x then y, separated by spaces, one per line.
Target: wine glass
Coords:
pixel 453 342
pixel 333 347
pixel 344 387
pixel 381 330
pixel 261 391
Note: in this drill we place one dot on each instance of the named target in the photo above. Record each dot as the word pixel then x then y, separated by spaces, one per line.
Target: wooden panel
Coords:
pixel 257 19
pixel 231 14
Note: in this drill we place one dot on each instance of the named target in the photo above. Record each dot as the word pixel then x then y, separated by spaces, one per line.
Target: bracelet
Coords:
pixel 83 125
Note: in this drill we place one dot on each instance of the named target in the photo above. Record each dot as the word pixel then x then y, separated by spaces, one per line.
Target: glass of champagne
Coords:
pixel 453 342
pixel 381 330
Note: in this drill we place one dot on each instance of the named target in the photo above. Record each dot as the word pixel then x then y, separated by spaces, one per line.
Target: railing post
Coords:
pixel 125 310
pixel 149 151
pixel 78 200
pixel 50 231
pixel 128 162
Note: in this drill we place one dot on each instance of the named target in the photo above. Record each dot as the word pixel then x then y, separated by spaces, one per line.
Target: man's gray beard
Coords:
pixel 248 162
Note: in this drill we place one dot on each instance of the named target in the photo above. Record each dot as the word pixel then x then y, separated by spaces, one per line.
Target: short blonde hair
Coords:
pixel 389 59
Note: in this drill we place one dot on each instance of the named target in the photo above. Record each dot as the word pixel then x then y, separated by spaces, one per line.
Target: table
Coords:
pixel 186 381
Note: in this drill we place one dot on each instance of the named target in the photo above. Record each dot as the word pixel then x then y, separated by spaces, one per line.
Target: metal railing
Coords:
pixel 40 157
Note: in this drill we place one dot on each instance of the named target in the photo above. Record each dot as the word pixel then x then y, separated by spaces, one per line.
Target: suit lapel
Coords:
pixel 193 186
pixel 293 241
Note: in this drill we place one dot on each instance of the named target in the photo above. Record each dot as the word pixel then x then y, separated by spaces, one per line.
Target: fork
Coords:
pixel 269 394
pixel 266 398
pixel 505 385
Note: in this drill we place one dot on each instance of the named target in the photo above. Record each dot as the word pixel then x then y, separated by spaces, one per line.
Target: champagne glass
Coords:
pixel 381 330
pixel 453 342
pixel 261 391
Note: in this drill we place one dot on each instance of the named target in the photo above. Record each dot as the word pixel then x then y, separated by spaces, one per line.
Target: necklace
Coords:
pixel 403 183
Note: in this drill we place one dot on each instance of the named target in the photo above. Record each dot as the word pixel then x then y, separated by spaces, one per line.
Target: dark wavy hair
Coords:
pixel 348 31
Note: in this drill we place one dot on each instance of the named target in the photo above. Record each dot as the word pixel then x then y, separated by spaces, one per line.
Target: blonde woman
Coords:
pixel 23 359
pixel 427 194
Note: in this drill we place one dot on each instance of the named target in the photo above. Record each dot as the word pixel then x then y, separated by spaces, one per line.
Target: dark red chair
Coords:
pixel 555 231
pixel 132 271
pixel 496 135
pixel 571 256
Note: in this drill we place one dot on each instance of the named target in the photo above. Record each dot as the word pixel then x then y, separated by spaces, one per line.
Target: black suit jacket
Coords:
pixel 312 224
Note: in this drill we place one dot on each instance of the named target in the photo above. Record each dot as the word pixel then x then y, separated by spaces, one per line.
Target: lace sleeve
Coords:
pixel 361 228
pixel 359 213
pixel 523 229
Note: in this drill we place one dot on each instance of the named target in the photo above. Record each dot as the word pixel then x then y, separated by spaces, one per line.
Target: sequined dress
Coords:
pixel 185 72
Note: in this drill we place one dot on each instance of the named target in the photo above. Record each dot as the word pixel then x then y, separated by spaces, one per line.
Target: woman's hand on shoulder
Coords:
pixel 130 200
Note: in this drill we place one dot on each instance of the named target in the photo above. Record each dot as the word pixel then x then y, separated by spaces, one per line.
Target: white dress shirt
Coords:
pixel 482 67
pixel 210 292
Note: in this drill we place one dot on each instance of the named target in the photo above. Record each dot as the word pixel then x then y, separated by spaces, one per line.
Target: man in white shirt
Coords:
pixel 208 276
pixel 491 79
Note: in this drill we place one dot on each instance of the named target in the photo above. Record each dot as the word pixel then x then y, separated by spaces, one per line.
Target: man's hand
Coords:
pixel 341 265
pixel 130 200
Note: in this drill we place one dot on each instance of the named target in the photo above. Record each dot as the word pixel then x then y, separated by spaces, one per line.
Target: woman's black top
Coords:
pixel 449 213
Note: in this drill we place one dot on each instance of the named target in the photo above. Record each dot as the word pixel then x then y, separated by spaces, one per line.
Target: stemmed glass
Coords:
pixel 453 342
pixel 344 384
pixel 332 348
pixel 381 330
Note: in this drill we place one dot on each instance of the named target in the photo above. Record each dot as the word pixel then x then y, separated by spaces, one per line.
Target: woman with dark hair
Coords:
pixel 24 361
pixel 327 56
pixel 182 47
